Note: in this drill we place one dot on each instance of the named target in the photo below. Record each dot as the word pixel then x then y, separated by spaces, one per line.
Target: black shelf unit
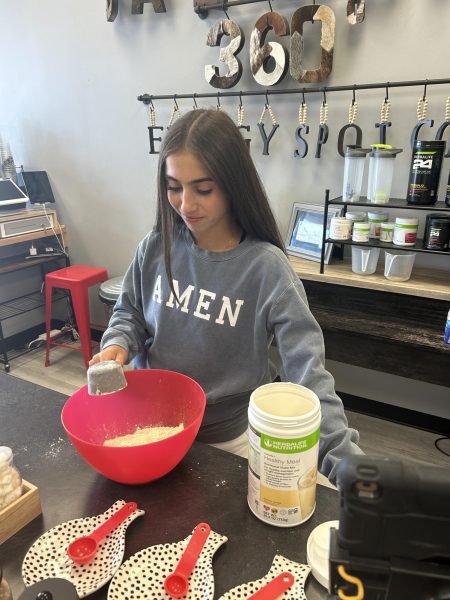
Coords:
pixel 394 203
pixel 15 307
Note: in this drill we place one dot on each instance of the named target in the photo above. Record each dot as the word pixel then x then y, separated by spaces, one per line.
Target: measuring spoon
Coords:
pixel 176 584
pixel 274 588
pixel 84 548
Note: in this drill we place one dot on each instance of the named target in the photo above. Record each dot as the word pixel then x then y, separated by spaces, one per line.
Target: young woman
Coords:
pixel 210 289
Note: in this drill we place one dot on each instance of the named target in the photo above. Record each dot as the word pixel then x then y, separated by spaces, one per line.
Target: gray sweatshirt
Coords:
pixel 233 305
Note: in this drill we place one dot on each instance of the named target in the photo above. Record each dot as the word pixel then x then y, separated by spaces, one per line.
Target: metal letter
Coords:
pixel 266 139
pixel 301 142
pixel 302 15
pixel 137 6
pixel 261 52
pixel 417 127
pixel 154 139
pixel 356 10
pixel 321 138
pixel 227 54
pixel 112 8
pixel 358 141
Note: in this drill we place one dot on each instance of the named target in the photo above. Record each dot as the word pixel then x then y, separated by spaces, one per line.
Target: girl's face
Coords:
pixel 200 202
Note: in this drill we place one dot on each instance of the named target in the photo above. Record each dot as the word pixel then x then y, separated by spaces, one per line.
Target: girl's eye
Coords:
pixel 204 192
pixel 171 188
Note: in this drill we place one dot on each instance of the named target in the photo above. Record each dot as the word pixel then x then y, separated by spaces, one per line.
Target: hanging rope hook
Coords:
pixel 270 5
pixel 354 94
pixel 425 89
pixel 240 99
pixel 218 101
pixel 387 92
pixel 324 95
pixel 194 97
pixel 175 102
pixel 267 98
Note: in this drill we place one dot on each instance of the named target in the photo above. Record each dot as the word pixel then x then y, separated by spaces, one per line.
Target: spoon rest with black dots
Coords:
pixel 142 576
pixel 280 565
pixel 47 557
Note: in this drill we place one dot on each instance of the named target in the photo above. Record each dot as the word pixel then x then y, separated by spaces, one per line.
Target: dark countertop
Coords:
pixel 208 485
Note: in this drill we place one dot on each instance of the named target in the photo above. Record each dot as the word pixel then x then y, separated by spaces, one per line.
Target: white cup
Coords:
pixel 364 260
pixel 398 265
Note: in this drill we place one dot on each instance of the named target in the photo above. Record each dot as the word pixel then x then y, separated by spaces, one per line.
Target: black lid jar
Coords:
pixel 425 171
pixel 437 232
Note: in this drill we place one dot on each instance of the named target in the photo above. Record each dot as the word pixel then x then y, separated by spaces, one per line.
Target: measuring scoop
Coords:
pixel 83 549
pixel 105 377
pixel 274 588
pixel 176 584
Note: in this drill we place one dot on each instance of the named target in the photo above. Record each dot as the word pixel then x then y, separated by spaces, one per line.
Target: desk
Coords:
pixel 208 485
pixel 14 307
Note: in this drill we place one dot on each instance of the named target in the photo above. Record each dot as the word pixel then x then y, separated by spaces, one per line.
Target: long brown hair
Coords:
pixel 217 143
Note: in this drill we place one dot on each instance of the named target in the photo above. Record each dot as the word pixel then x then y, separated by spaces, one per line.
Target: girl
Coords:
pixel 210 289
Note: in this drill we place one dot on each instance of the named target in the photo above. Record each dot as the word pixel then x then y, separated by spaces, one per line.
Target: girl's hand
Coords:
pixel 113 352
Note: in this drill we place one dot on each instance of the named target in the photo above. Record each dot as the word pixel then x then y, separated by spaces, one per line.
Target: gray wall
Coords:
pixel 68 105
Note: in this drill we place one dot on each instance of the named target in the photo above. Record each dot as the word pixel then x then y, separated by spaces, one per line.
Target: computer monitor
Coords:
pixel 37 186
pixel 11 196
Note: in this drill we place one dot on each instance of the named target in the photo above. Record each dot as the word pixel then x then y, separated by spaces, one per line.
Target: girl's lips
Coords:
pixel 192 219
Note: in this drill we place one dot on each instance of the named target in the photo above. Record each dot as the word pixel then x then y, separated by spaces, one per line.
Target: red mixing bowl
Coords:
pixel 152 398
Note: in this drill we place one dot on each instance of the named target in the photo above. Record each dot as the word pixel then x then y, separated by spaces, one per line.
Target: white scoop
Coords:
pixel 105 377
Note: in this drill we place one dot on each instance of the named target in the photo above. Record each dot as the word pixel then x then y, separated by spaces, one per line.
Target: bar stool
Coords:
pixel 77 279
pixel 109 292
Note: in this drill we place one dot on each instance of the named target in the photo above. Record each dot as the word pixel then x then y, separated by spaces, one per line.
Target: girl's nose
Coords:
pixel 187 200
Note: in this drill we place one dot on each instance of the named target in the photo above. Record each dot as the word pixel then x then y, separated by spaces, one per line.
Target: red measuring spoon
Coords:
pixel 274 588
pixel 176 584
pixel 84 548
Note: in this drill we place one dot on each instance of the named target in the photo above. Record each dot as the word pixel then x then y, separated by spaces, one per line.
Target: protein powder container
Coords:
pixel 437 232
pixel 361 230
pixel 283 452
pixel 425 172
pixel 405 231
pixel 375 219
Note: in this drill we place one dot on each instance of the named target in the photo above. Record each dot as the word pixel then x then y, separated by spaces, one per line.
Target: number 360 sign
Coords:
pixel 273 54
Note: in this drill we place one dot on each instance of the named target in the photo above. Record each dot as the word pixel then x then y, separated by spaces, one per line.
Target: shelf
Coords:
pixel 393 203
pixel 26 303
pixel 375 243
pixel 427 283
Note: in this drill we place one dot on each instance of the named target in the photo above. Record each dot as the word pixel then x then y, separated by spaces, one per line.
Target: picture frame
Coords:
pixel 305 231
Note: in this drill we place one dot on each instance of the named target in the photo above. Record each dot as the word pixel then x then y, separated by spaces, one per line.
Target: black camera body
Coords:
pixel 394 529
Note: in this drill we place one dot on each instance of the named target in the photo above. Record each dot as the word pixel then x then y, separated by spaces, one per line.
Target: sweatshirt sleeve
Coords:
pixel 127 327
pixel 302 353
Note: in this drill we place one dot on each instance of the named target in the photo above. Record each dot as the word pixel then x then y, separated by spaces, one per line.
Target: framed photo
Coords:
pixel 304 238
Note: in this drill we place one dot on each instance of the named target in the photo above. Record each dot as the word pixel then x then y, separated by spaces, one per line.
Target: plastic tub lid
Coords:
pixel 318 551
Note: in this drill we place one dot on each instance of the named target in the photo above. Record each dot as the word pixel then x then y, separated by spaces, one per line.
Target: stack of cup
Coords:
pixel 7 165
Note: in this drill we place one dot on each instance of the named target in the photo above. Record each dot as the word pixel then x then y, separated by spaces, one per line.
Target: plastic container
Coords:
pixel 375 219
pixel 381 172
pixel 355 158
pixel 425 172
pixel 398 266
pixel 437 232
pixel 10 479
pixel 405 231
pixel 153 397
pixel 361 231
pixel 387 232
pixel 283 451
pixel 340 228
pixel 364 260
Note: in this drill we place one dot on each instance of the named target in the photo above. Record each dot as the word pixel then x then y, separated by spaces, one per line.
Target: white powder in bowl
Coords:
pixel 144 435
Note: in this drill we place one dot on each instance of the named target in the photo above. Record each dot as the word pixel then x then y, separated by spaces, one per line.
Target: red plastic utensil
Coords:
pixel 84 548
pixel 176 584
pixel 274 588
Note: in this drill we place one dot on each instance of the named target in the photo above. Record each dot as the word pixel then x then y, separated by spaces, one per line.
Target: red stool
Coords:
pixel 77 279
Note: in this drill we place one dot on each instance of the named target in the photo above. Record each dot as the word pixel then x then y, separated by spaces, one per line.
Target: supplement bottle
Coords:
pixel 425 172
pixel 283 451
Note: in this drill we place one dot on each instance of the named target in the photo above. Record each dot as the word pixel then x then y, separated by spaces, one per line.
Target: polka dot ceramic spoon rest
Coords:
pixel 142 576
pixel 280 565
pixel 47 556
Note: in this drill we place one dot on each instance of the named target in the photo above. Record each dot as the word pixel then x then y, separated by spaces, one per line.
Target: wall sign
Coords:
pixel 137 7
pixel 261 52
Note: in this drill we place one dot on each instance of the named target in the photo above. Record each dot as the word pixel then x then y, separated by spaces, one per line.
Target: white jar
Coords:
pixel 283 452
pixel 375 219
pixel 387 232
pixel 10 479
pixel 361 231
pixel 340 228
pixel 356 216
pixel 405 231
